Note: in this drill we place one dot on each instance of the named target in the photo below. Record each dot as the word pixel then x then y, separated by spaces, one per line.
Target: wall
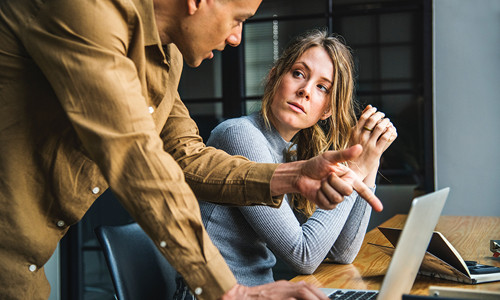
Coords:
pixel 467 104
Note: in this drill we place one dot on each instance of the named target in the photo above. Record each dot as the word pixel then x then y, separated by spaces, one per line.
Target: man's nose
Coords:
pixel 234 38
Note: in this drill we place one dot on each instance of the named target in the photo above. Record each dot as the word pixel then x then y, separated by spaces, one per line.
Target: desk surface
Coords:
pixel 469 235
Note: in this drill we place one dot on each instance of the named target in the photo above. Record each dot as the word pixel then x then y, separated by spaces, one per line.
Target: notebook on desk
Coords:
pixel 413 241
pixel 443 261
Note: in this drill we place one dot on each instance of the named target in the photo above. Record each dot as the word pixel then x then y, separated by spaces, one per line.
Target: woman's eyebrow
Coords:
pixel 309 70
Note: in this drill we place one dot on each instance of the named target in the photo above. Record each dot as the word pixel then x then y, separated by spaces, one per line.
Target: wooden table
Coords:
pixel 469 235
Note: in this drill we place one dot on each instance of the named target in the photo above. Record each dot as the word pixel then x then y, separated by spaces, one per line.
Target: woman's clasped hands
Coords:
pixel 375 133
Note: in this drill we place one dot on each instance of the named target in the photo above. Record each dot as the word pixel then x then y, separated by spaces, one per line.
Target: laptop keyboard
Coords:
pixel 351 295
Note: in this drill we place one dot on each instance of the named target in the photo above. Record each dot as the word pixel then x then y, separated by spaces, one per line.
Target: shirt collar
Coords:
pixel 146 11
pixel 151 34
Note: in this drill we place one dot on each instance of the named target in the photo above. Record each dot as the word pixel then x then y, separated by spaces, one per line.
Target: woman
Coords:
pixel 310 88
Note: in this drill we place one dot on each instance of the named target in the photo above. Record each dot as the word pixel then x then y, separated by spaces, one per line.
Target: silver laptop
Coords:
pixel 410 250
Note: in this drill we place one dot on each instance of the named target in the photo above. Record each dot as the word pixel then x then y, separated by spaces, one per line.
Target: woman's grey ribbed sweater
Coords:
pixel 247 237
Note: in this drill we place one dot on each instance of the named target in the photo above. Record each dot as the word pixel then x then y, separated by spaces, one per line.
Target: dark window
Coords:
pixel 390 42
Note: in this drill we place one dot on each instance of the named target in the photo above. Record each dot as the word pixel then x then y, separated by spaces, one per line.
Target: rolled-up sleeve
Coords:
pixel 213 174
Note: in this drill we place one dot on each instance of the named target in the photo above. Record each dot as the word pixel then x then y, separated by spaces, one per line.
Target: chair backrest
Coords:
pixel 138 269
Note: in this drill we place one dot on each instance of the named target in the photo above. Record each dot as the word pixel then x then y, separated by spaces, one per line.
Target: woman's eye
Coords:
pixel 298 74
pixel 323 88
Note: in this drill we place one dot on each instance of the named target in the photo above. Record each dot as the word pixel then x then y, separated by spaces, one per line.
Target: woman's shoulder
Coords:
pixel 242 125
pixel 240 136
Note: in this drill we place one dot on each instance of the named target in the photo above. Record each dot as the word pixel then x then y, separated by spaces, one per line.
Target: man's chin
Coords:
pixel 193 65
pixel 194 62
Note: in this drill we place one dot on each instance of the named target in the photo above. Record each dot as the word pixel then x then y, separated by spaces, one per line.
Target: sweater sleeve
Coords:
pixel 302 246
pixel 305 246
pixel 349 241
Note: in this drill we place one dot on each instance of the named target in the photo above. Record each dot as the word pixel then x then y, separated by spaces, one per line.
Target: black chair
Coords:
pixel 138 269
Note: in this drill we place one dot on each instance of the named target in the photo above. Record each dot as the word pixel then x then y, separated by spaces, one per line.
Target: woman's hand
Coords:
pixel 375 133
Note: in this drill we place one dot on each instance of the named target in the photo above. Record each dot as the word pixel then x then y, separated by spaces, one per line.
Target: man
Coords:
pixel 89 98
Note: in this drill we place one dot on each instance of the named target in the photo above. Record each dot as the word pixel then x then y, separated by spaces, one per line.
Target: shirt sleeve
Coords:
pixel 213 174
pixel 83 49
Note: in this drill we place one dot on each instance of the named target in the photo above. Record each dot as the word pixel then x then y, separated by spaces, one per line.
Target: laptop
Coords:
pixel 410 250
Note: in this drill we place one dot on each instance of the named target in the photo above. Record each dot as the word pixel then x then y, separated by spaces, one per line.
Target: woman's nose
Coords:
pixel 303 92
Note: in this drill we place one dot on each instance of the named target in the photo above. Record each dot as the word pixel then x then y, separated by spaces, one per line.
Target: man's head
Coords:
pixel 197 27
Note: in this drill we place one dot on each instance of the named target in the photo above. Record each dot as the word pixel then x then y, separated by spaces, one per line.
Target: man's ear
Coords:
pixel 193 6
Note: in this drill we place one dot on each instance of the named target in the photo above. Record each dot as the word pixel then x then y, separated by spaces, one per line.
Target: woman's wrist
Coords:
pixel 370 179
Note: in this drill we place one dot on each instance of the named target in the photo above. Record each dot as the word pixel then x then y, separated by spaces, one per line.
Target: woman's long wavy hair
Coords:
pixel 332 133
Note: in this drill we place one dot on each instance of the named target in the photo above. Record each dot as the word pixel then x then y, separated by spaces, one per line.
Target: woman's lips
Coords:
pixel 296 107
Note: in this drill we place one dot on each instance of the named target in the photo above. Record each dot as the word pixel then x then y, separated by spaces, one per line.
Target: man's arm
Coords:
pixel 323 180
pixel 213 174
pixel 84 48
pixel 217 177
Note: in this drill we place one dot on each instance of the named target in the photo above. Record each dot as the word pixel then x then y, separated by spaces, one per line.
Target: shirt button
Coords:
pixel 32 268
pixel 151 109
pixel 96 190
pixel 163 244
pixel 60 223
pixel 198 291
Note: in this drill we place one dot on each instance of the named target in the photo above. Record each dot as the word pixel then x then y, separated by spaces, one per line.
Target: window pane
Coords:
pixel 269 9
pixel 259 46
pixel 385 42
pixel 204 81
pixel 367 65
pixel 396 62
pixel 406 85
pixel 364 2
pixel 396 27
pixel 359 30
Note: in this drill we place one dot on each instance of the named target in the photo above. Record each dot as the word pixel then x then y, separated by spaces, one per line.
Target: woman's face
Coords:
pixel 302 98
